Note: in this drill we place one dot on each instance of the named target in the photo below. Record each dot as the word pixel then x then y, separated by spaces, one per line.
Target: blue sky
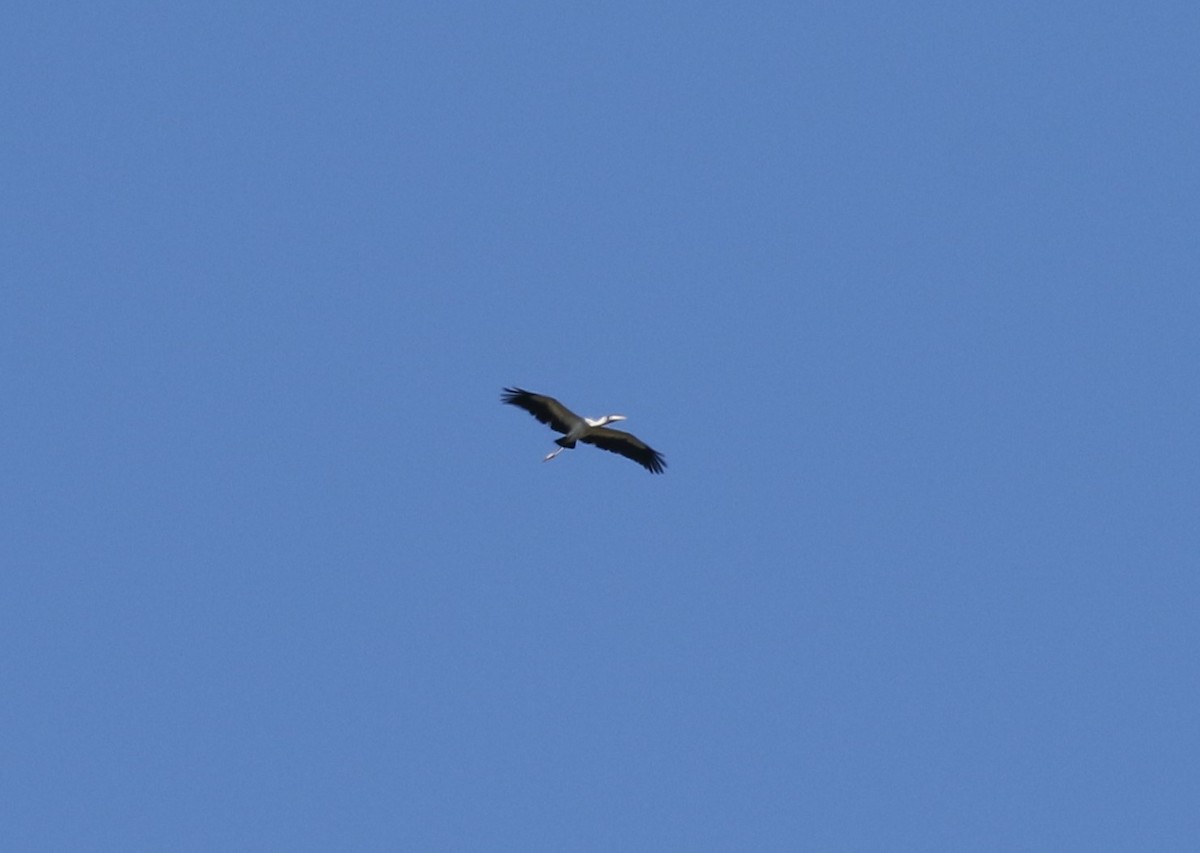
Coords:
pixel 907 295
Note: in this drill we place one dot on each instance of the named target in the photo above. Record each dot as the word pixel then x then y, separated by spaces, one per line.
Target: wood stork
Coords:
pixel 588 430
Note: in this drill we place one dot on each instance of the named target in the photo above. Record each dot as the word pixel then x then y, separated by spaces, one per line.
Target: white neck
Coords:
pixel 607 419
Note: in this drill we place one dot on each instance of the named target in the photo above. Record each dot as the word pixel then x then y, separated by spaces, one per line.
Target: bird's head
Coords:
pixel 608 419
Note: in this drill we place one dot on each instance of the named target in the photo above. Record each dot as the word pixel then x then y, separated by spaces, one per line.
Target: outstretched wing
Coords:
pixel 629 446
pixel 546 409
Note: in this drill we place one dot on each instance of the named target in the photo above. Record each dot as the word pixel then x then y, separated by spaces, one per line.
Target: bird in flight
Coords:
pixel 588 430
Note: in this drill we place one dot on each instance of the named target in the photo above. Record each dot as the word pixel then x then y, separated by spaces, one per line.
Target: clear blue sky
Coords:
pixel 907 294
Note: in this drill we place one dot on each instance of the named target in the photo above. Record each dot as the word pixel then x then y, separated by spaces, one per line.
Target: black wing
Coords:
pixel 545 409
pixel 629 446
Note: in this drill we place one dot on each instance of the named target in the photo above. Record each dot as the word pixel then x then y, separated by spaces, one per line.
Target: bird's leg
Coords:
pixel 550 456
